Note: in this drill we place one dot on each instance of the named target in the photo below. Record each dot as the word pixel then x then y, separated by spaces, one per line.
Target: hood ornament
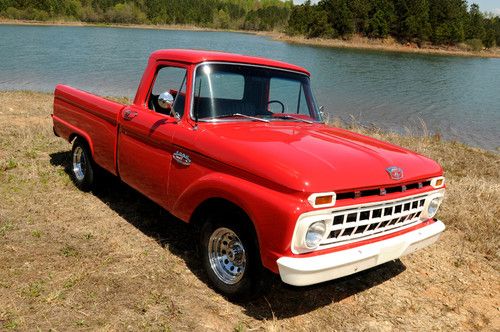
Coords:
pixel 395 172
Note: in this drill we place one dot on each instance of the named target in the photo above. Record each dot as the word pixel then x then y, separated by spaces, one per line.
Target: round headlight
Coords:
pixel 315 234
pixel 433 207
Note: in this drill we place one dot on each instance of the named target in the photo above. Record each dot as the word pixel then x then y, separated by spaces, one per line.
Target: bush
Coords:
pixel 13 13
pixel 125 13
pixel 26 14
pixel 221 19
pixel 475 44
pixel 89 14
pixel 489 38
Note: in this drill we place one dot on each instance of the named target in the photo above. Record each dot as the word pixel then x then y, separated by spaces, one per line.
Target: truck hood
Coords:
pixel 311 157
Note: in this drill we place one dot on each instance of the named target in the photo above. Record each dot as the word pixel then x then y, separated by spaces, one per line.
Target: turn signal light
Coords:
pixel 322 200
pixel 437 182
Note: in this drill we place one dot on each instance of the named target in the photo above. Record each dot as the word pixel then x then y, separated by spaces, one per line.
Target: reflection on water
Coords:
pixel 457 97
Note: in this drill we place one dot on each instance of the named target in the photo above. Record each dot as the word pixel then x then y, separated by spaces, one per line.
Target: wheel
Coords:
pixel 82 167
pixel 231 258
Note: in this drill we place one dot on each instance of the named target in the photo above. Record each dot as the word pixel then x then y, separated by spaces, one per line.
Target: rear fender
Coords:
pixel 70 132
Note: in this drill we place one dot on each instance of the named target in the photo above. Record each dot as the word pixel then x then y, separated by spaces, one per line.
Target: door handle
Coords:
pixel 129 115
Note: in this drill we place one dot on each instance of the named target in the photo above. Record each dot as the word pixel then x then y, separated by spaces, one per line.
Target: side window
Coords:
pixel 288 94
pixel 173 81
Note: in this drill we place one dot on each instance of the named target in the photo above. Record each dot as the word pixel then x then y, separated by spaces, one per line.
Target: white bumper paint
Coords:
pixel 312 270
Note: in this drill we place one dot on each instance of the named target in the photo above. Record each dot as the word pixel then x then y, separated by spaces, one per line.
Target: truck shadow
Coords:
pixel 283 301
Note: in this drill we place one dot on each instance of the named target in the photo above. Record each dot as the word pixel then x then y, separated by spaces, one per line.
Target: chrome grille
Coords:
pixel 364 221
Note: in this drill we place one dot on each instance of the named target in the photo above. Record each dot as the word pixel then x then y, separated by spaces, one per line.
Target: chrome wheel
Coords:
pixel 79 163
pixel 227 255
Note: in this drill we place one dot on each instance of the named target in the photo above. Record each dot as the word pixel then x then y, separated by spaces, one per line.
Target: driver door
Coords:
pixel 145 136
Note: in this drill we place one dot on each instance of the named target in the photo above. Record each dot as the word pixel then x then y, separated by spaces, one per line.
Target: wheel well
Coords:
pixel 72 137
pixel 212 205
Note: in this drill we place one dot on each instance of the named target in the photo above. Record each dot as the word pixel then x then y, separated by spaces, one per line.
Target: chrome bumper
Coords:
pixel 312 270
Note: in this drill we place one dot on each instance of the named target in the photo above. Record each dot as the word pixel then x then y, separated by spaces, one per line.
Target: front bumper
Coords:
pixel 312 270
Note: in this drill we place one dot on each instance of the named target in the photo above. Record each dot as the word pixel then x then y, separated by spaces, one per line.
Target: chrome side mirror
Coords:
pixel 322 113
pixel 166 100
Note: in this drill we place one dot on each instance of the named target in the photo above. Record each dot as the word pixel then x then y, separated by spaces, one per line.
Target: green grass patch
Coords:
pixel 69 251
pixel 6 227
pixel 34 289
pixel 10 164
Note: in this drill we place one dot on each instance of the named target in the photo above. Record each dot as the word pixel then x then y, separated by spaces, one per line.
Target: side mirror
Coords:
pixel 322 113
pixel 166 100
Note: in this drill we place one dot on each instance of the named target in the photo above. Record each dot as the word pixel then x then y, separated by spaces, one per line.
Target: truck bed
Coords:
pixel 79 113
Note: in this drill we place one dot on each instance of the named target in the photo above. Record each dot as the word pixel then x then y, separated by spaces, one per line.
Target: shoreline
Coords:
pixel 355 43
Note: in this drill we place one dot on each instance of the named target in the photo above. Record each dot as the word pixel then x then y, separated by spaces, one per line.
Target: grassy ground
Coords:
pixel 112 260
pixel 355 42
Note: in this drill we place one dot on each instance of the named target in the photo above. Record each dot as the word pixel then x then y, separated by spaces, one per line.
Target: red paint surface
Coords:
pixel 268 169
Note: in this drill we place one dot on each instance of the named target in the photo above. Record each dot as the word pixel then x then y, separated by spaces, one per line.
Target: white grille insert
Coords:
pixel 365 221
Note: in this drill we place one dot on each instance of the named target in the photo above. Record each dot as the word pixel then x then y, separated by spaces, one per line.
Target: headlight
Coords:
pixel 433 207
pixel 315 234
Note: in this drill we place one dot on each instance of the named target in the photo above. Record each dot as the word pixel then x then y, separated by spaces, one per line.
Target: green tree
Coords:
pixel 416 25
pixel 300 18
pixel 489 38
pixel 378 25
pixel 318 25
pixel 4 4
pixel 361 12
pixel 221 19
pixel 340 16
pixel 475 26
pixel 448 19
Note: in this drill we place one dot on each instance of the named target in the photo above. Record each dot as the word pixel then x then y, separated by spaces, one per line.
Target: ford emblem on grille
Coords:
pixel 395 172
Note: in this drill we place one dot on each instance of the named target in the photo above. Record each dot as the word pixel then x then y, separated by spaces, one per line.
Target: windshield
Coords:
pixel 248 93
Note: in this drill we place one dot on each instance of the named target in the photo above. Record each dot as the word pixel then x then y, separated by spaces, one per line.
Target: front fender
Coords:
pixel 272 212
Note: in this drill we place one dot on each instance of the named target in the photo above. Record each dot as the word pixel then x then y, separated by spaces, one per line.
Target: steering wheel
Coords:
pixel 277 102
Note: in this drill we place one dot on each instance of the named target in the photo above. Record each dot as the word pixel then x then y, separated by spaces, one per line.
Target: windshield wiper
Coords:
pixel 242 115
pixel 287 116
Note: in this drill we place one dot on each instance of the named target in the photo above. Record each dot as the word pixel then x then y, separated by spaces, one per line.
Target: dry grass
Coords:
pixel 112 260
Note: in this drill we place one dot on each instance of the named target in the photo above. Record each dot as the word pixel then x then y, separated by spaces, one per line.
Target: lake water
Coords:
pixel 456 97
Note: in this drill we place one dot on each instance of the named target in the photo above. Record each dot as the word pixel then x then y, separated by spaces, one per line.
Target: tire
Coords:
pixel 82 165
pixel 231 257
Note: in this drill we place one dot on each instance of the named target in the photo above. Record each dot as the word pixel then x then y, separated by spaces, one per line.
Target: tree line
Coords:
pixel 419 21
pixel 437 21
pixel 225 14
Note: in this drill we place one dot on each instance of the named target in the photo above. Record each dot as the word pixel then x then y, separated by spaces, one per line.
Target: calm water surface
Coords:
pixel 456 97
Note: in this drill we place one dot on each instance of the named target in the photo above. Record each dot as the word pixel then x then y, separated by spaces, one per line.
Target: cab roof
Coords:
pixel 199 56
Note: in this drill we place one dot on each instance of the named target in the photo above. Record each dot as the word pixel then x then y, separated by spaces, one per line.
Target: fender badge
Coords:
pixel 181 158
pixel 395 172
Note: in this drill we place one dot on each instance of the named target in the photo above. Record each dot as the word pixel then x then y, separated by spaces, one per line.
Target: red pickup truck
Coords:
pixel 236 146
